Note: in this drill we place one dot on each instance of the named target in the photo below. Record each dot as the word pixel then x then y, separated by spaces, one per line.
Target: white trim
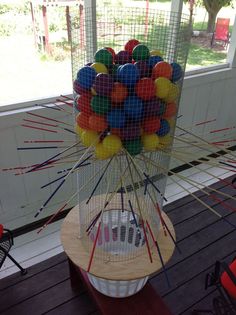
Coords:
pixel 231 57
pixel 207 69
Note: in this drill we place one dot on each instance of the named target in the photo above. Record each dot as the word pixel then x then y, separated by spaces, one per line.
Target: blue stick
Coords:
pixel 68 169
pixel 37 148
pixel 122 198
pixel 151 182
pixel 162 263
pixel 101 177
pixel 51 158
pixel 132 210
pixel 145 187
pixel 94 221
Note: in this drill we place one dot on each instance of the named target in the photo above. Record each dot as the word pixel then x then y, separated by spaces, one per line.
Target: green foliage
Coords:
pixel 4 8
pixel 7 28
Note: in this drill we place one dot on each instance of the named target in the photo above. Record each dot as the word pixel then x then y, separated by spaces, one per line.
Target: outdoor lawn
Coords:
pixel 30 73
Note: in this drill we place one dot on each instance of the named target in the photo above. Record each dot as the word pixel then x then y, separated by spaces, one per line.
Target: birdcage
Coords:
pixel 128 66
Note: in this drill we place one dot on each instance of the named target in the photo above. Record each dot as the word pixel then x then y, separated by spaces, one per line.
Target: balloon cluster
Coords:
pixel 126 100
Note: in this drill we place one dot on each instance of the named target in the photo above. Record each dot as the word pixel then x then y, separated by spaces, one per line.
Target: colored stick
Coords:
pixel 47 118
pixel 161 219
pixel 38 128
pixel 132 210
pixel 159 253
pixel 151 182
pixel 146 240
pixel 93 249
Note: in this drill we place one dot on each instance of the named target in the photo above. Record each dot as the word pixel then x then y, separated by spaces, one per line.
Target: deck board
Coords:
pixel 202 236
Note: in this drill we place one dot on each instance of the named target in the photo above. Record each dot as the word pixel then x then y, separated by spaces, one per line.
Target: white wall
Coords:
pixel 205 97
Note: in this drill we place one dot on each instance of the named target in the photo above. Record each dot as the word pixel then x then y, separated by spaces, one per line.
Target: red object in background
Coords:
pixel 1 230
pixel 227 283
pixel 83 103
pixel 129 46
pixel 145 89
pixel 83 120
pixel 162 69
pixel 151 125
pixel 221 31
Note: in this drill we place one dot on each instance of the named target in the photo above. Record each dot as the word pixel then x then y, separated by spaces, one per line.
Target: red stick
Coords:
pixel 51 119
pixel 52 217
pixel 223 129
pixel 222 203
pixel 205 122
pixel 67 103
pixel 94 245
pixel 162 220
pixel 146 240
pixel 40 123
pixel 38 128
pixel 68 98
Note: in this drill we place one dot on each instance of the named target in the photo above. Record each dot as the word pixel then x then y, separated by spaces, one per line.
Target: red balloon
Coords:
pixel 170 111
pixel 98 123
pixel 112 51
pixel 119 92
pixel 83 120
pixel 151 125
pixel 145 89
pixel 129 46
pixel 162 69
pixel 83 103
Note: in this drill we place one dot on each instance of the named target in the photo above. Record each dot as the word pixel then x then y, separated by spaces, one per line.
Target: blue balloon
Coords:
pixel 153 60
pixel 164 129
pixel 128 74
pixel 86 77
pixel 133 107
pixel 116 118
pixel 177 71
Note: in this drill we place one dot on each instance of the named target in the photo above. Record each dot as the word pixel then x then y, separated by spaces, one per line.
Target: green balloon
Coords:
pixel 134 147
pixel 104 56
pixel 100 104
pixel 140 52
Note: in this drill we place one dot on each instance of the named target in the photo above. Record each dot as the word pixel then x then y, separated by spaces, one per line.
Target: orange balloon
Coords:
pixel 83 120
pixel 170 111
pixel 97 123
pixel 119 93
pixel 162 69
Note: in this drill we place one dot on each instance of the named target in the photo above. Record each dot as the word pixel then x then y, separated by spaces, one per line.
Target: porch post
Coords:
pixel 231 57
pixel 90 28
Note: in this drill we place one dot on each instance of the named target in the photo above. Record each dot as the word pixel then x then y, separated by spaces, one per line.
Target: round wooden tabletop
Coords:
pixel 131 269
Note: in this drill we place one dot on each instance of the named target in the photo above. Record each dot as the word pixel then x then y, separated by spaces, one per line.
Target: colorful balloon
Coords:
pixel 162 69
pixel 112 144
pixel 89 137
pixel 144 69
pixel 100 104
pixel 103 84
pixel 154 107
pixel 156 52
pixel 129 46
pixel 164 128
pixel 145 89
pixel 101 153
pixel 119 93
pixel 173 93
pixel 98 123
pixel 170 111
pixel 123 57
pixel 162 87
pixel 130 131
pixel 86 76
pixel 83 120
pixel 133 107
pixel 177 72
pixel 153 60
pixel 165 141
pixel 83 103
pixel 151 125
pixel 116 118
pixel 78 88
pixel 78 130
pixel 150 141
pixel 140 52
pixel 104 56
pixel 134 147
pixel 99 67
pixel 128 74
pixel 112 51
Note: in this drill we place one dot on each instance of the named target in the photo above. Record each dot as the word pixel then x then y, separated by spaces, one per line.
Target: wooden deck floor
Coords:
pixel 202 237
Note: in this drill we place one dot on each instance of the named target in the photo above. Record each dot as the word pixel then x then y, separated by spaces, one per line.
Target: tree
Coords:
pixel 213 7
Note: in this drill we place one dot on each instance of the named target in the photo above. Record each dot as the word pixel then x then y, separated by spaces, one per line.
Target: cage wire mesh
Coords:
pixel 128 67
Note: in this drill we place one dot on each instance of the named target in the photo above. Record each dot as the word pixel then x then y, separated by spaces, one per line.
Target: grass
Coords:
pixel 202 26
pixel 200 57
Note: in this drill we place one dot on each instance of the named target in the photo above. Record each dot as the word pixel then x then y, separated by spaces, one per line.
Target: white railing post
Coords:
pixel 231 57
pixel 90 28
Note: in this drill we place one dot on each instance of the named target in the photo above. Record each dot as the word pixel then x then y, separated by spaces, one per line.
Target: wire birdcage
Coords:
pixel 128 68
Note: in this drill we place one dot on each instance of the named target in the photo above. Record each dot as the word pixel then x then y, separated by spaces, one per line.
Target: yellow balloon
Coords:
pixel 78 130
pixel 93 92
pixel 156 52
pixel 99 67
pixel 162 87
pixel 150 142
pixel 165 141
pixel 171 122
pixel 89 137
pixel 112 144
pixel 173 93
pixel 101 153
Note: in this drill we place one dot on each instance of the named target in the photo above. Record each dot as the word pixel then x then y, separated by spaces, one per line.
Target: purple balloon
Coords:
pixel 123 57
pixel 143 68
pixel 103 84
pixel 154 107
pixel 131 131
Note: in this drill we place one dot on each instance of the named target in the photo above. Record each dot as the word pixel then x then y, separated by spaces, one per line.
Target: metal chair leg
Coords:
pixel 23 271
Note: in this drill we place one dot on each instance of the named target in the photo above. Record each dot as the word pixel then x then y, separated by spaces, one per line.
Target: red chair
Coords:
pixel 221 33
pixel 6 242
pixel 225 282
